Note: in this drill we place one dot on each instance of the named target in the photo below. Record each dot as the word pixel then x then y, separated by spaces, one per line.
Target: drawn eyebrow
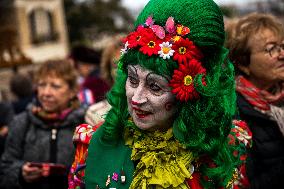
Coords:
pixel 154 77
pixel 132 70
pixel 152 74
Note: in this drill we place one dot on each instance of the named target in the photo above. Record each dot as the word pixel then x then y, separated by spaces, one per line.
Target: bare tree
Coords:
pixel 90 18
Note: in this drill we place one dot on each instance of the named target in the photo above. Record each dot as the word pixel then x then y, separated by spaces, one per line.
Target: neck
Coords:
pixel 262 84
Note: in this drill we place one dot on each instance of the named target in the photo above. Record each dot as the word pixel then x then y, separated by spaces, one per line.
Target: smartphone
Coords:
pixel 36 164
pixel 51 168
pixel 57 169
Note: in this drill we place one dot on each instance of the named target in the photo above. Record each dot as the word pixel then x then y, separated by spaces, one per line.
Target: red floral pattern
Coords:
pixel 183 80
pixel 242 132
pixel 82 136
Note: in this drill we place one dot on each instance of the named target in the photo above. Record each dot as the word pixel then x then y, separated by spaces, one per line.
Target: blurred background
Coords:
pixel 33 31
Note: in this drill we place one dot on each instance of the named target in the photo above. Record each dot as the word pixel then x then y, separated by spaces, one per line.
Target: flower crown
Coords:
pixel 170 42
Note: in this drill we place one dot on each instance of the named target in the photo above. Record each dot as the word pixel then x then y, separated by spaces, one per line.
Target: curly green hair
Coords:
pixel 202 125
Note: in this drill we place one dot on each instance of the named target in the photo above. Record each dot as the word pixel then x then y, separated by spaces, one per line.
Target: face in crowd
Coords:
pixel 266 66
pixel 54 93
pixel 150 101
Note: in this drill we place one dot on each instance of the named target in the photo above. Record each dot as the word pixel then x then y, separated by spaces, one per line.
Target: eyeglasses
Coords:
pixel 275 50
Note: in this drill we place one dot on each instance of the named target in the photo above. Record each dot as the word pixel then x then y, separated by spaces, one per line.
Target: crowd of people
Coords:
pixel 182 102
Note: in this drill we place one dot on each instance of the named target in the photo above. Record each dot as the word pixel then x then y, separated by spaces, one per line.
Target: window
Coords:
pixel 42 26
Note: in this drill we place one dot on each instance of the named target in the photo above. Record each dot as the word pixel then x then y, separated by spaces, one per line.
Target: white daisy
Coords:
pixel 166 50
pixel 125 49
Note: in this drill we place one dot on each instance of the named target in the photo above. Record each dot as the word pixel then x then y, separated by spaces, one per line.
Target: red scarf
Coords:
pixel 53 116
pixel 251 93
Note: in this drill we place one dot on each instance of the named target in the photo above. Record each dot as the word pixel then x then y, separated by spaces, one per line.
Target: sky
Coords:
pixel 138 4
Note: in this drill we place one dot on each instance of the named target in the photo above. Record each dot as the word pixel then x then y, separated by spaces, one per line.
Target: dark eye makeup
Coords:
pixel 155 83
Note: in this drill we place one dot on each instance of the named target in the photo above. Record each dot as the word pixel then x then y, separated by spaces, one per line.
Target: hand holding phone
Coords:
pixel 31 173
pixel 51 168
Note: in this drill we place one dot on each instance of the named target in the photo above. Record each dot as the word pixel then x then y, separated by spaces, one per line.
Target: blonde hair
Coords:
pixel 108 57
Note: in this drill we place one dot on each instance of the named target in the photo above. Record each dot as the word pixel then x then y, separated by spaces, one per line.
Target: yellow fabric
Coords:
pixel 162 161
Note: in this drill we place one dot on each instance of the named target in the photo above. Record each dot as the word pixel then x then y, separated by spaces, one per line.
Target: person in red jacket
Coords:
pixel 92 87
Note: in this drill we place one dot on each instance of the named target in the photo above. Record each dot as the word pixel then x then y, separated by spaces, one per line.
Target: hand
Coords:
pixel 3 131
pixel 31 173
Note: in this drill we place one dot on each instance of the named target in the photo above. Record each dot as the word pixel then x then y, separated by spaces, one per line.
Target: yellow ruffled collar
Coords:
pixel 162 161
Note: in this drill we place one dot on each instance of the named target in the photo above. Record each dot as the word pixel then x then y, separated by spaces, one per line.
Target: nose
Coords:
pixel 140 96
pixel 281 54
pixel 46 90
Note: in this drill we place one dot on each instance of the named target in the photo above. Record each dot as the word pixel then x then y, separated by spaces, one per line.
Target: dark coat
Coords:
pixel 30 140
pixel 265 166
pixel 6 115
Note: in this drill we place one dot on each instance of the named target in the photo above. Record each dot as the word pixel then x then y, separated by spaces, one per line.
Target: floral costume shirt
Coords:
pixel 239 135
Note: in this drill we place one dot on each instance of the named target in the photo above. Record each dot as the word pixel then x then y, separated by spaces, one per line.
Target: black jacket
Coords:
pixel 265 165
pixel 30 140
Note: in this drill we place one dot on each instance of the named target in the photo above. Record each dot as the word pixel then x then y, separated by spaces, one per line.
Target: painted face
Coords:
pixel 54 94
pixel 265 69
pixel 150 101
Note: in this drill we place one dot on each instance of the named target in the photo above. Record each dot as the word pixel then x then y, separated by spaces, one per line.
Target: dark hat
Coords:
pixel 87 55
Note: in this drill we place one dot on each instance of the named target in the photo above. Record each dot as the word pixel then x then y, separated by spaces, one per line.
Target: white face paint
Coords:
pixel 150 101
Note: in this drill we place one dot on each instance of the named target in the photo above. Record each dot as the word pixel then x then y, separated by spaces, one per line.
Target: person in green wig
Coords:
pixel 173 101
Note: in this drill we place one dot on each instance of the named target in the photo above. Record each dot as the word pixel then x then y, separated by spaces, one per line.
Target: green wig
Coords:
pixel 204 124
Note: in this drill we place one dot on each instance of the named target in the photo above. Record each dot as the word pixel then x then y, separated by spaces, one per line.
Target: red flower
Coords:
pixel 182 80
pixel 137 38
pixel 150 44
pixel 185 50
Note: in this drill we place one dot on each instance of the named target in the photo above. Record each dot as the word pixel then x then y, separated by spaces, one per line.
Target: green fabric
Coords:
pixel 105 159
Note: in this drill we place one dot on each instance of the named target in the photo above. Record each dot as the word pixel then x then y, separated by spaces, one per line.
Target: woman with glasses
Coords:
pixel 257 50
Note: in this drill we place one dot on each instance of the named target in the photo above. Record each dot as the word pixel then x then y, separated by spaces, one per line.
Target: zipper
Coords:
pixel 53 146
pixel 53 134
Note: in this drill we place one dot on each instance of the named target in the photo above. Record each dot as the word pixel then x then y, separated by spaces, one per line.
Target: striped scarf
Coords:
pixel 253 96
pixel 251 93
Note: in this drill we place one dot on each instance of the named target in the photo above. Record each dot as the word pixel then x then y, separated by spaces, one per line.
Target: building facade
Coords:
pixel 33 31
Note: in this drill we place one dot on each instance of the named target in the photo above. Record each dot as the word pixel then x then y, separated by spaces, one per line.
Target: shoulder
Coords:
pixel 84 132
pixel 75 117
pixel 19 121
pixel 97 112
pixel 79 112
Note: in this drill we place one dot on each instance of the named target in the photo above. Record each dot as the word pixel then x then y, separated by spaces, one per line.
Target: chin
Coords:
pixel 142 125
pixel 49 109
